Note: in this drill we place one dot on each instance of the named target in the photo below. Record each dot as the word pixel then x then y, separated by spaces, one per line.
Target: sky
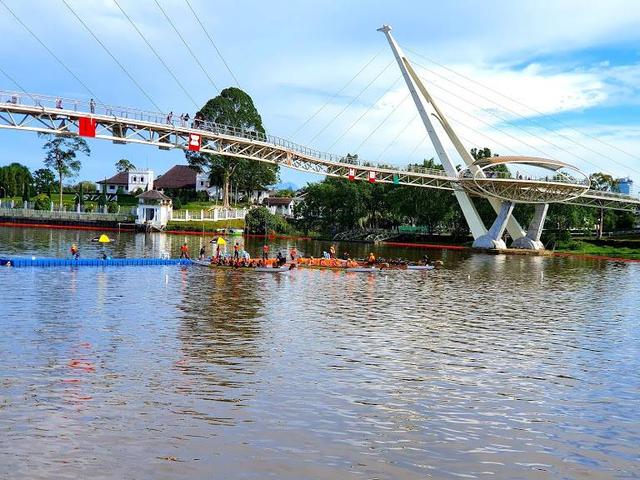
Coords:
pixel 556 79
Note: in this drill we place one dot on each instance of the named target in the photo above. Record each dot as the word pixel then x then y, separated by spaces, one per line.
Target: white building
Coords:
pixel 129 182
pixel 280 205
pixel 154 209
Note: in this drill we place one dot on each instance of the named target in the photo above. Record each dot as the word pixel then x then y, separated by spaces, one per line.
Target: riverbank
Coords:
pixel 610 249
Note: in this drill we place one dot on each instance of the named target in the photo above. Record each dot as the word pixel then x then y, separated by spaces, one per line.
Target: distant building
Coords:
pixel 625 185
pixel 129 182
pixel 280 205
pixel 154 209
pixel 181 177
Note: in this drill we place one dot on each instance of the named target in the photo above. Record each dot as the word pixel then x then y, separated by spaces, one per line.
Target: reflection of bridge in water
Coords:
pixel 561 184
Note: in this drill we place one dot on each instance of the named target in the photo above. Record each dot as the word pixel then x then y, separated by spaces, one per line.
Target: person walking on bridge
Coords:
pixel 59 103
pixel 170 118
pixel 92 106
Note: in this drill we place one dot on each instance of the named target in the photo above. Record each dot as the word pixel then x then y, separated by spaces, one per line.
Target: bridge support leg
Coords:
pixel 531 241
pixel 493 238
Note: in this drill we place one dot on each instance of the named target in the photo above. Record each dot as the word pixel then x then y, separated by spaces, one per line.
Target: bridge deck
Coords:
pixel 38 113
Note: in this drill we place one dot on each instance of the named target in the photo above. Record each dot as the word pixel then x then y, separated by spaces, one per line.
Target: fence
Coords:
pixel 61 215
pixel 209 215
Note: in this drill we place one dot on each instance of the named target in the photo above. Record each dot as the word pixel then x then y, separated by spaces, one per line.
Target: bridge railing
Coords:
pixel 95 107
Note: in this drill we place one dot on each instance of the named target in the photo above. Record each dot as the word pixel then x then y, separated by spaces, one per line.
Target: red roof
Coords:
pixel 121 178
pixel 179 176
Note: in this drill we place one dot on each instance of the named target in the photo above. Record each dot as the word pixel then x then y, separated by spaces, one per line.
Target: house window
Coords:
pixel 134 179
pixel 141 179
pixel 201 183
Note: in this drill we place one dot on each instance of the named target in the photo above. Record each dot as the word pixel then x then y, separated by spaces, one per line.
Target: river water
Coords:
pixel 494 367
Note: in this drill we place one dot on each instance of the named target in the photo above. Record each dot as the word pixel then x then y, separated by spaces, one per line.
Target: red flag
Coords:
pixel 352 174
pixel 87 127
pixel 372 177
pixel 194 142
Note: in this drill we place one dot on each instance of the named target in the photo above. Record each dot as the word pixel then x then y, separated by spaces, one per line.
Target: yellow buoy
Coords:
pixel 104 239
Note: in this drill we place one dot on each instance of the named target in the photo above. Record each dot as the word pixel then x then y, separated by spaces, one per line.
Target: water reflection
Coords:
pixel 510 367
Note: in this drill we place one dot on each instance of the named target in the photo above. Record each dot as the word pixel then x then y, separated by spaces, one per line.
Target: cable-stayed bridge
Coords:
pixel 558 183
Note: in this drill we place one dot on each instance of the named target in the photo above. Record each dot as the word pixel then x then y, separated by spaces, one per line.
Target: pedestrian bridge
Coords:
pixel 121 125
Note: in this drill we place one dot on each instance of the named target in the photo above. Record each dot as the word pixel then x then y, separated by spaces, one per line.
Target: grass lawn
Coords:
pixel 586 248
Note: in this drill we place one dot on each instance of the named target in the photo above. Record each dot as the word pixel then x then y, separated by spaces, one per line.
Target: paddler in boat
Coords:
pixel 332 251
pixel 371 260
pixel 294 254
pixel 202 253
pixel 426 260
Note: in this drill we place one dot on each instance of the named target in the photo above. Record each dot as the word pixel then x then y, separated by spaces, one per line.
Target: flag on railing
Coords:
pixel 194 142
pixel 87 127
pixel 352 174
pixel 372 177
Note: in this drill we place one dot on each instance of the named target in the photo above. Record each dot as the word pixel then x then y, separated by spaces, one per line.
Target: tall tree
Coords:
pixel 62 152
pixel 604 182
pixel 235 108
pixel 124 165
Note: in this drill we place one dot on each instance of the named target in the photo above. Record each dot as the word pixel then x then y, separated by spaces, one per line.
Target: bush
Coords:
pixel 113 207
pixel 261 220
pixel 177 204
pixel 89 207
pixel 42 202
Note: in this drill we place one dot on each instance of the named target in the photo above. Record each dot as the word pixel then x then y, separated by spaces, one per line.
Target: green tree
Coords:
pixel 235 108
pixel 13 178
pixel 124 165
pixel 43 180
pixel 42 202
pixel 61 157
pixel 604 182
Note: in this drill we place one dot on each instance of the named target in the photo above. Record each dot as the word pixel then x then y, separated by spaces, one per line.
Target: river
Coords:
pixel 493 367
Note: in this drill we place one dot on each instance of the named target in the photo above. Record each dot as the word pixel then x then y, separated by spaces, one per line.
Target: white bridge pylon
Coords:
pixel 427 108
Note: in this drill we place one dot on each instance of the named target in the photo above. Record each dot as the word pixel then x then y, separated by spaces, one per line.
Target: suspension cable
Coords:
pixel 213 83
pixel 15 82
pixel 357 149
pixel 508 134
pixel 341 136
pixel 104 47
pixel 531 120
pixel 395 139
pixel 164 64
pixel 304 124
pixel 344 109
pixel 212 42
pixel 506 120
pixel 84 85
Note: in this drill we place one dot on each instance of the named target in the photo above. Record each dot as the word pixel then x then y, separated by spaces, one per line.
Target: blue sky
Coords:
pixel 575 63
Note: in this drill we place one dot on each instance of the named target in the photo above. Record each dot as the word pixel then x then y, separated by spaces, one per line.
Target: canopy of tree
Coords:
pixel 13 179
pixel 124 165
pixel 235 108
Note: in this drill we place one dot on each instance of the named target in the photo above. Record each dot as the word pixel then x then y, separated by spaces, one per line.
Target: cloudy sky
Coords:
pixel 559 79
